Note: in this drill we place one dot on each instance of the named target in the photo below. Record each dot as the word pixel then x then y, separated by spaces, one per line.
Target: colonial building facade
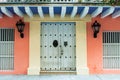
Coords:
pixel 59 38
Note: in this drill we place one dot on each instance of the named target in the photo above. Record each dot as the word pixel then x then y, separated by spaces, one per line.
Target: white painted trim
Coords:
pixel 28 11
pixel 84 12
pixel 116 14
pixel 97 11
pixel 63 11
pixel 17 11
pixel 74 11
pixel 107 12
pixel 51 11
pixel 6 12
pixel 40 12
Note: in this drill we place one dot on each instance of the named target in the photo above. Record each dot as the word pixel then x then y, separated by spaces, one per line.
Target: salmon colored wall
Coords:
pixel 94 45
pixel 21 46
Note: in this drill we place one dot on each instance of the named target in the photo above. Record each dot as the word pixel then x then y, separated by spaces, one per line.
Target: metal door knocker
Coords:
pixel 55 43
pixel 65 43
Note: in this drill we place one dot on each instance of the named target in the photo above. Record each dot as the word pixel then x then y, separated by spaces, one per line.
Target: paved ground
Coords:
pixel 60 77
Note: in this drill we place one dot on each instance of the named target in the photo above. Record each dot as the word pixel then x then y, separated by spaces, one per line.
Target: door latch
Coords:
pixel 61 52
pixel 65 43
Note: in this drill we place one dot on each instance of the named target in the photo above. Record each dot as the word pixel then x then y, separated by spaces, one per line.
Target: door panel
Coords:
pixel 58 46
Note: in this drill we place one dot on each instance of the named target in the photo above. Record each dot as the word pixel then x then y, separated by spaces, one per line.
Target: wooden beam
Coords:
pixel 74 11
pixel 28 11
pixel 51 11
pixel 17 11
pixel 116 14
pixel 107 12
pixel 6 12
pixel 97 11
pixel 84 12
pixel 40 12
pixel 63 11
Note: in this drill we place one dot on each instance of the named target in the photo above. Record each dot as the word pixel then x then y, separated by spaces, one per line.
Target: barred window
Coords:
pixel 111 50
pixel 6 49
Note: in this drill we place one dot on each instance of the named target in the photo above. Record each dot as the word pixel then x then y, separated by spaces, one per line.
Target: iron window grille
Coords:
pixel 6 49
pixel 111 50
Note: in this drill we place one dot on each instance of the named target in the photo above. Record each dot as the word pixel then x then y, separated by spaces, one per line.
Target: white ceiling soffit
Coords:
pixel 6 12
pixel 28 11
pixel 63 12
pixel 97 11
pixel 107 12
pixel 17 11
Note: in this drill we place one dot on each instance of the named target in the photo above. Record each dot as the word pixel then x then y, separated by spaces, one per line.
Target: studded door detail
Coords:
pixel 58 46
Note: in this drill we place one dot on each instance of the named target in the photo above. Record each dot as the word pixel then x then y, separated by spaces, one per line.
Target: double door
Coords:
pixel 57 46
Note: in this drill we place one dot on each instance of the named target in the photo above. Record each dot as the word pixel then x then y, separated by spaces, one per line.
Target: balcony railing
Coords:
pixel 52 1
pixel 94 1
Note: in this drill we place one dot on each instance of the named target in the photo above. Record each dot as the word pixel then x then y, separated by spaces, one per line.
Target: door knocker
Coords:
pixel 65 43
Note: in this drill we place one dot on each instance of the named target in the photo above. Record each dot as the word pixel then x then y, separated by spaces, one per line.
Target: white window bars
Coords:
pixel 6 49
pixel 111 50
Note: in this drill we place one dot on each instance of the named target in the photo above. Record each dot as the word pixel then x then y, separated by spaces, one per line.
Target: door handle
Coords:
pixel 55 43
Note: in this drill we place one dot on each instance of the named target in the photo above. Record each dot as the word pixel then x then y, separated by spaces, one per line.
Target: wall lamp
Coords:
pixel 20 27
pixel 96 28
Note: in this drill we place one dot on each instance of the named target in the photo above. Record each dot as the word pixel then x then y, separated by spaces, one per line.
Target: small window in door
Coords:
pixel 111 50
pixel 6 49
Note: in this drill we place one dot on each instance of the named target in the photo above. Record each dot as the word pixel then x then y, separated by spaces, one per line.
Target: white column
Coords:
pixel 34 50
pixel 81 48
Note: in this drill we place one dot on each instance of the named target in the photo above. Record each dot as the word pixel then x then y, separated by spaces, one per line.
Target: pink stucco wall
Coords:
pixel 94 45
pixel 21 46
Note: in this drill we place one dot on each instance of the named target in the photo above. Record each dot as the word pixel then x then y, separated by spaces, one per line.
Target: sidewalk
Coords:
pixel 60 77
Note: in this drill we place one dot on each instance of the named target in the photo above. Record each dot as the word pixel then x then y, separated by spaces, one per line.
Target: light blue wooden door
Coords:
pixel 58 46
